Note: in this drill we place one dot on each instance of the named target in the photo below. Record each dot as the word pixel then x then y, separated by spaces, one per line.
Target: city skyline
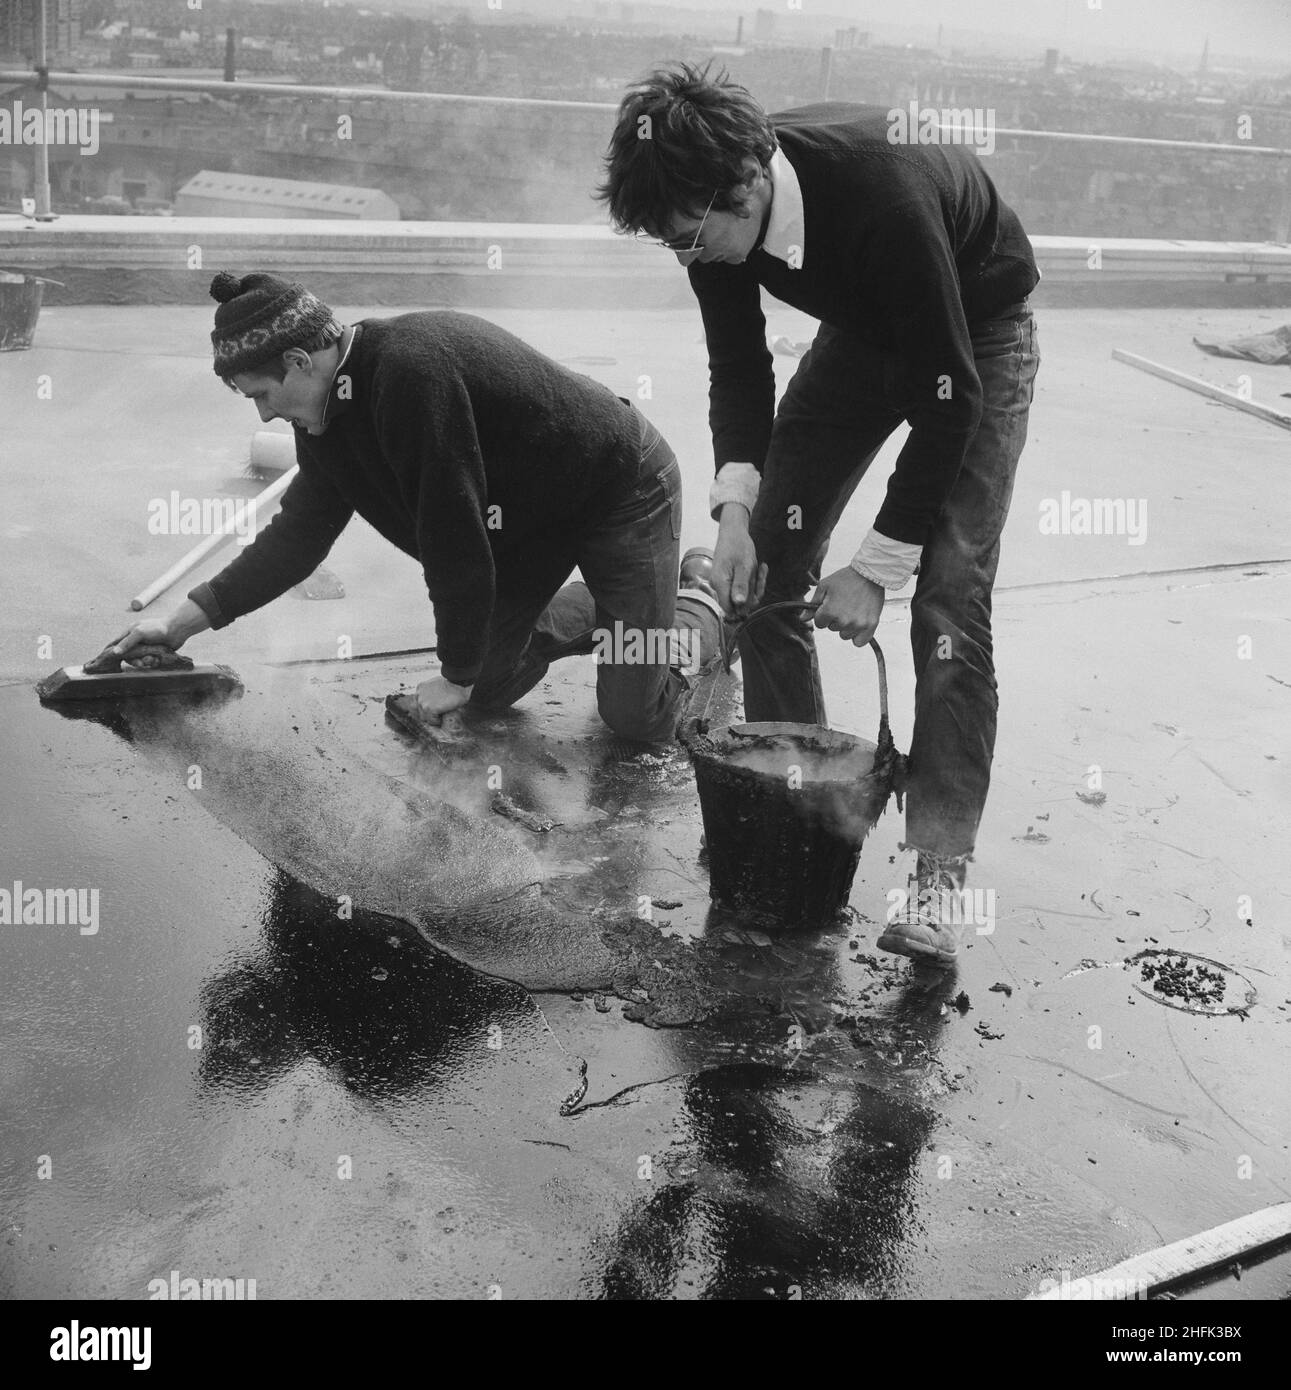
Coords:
pixel 1248 29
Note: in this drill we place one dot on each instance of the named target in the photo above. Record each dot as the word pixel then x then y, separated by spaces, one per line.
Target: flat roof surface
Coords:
pixel 894 1147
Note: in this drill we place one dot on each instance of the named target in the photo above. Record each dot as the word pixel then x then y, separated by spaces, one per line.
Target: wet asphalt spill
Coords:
pixel 538 885
pixel 787 1089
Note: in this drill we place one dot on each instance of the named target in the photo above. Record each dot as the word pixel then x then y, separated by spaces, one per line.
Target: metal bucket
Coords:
pixel 20 297
pixel 787 807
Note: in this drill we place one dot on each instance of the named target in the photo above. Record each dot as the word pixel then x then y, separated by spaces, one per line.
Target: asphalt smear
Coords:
pixel 273 768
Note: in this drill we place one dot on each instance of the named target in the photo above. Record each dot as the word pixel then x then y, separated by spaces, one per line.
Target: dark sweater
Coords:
pixel 449 418
pixel 905 246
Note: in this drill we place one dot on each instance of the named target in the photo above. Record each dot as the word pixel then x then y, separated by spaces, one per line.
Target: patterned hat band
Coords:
pixel 292 319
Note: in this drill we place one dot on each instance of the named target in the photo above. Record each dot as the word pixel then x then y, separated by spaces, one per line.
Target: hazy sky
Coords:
pixel 1256 28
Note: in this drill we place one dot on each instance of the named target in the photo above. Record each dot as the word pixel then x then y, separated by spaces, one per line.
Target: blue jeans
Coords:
pixel 628 552
pixel 834 418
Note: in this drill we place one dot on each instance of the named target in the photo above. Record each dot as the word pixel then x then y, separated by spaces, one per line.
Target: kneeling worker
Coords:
pixel 496 468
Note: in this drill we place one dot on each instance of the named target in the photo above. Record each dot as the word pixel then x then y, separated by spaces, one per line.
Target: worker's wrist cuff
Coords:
pixel 735 482
pixel 886 562
pixel 463 676
pixel 204 597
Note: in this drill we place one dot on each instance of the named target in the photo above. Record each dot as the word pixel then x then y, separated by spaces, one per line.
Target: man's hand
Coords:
pixel 851 606
pixel 737 576
pixel 438 697
pixel 171 632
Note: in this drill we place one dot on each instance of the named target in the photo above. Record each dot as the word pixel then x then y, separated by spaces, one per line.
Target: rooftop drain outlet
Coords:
pixel 1196 984
pixel 1181 980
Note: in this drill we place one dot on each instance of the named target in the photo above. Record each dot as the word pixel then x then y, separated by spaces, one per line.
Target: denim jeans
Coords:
pixel 834 418
pixel 628 553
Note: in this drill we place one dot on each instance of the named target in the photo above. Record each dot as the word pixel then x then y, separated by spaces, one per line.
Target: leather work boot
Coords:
pixel 925 931
pixel 696 573
pixel 694 584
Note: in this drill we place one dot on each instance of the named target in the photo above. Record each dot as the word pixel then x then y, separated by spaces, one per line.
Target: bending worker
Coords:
pixel 919 275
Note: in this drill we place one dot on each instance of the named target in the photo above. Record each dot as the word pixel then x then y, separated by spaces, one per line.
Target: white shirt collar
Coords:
pixel 786 231
pixel 333 396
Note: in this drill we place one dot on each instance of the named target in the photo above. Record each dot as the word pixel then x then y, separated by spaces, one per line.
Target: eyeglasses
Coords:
pixel 694 248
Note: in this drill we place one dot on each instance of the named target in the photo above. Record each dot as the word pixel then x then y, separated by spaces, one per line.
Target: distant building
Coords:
pixel 211 194
pixel 18 20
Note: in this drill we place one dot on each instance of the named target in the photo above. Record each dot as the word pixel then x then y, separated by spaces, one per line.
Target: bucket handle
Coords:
pixel 27 275
pixel 728 648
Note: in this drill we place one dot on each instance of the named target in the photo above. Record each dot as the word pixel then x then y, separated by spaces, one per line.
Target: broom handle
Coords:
pixel 728 645
pixel 212 542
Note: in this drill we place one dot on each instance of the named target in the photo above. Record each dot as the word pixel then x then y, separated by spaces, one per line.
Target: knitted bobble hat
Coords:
pixel 259 317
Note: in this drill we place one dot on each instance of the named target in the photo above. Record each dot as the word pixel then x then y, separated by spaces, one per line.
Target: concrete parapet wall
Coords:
pixel 116 260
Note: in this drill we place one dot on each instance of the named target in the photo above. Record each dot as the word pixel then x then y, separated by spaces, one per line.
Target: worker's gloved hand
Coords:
pixel 737 577
pixel 438 697
pixel 850 605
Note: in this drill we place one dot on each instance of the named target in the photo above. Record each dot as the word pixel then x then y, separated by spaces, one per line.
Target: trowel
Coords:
pixel 148 669
pixel 450 735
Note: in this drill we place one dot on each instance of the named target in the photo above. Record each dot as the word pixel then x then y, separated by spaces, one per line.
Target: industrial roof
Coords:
pixel 256 188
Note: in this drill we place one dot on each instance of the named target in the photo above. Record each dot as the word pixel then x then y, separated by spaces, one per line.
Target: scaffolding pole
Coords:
pixel 43 209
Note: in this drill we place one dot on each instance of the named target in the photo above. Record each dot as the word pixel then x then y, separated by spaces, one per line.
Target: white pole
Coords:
pixel 212 542
pixel 1204 388
pixel 1209 1252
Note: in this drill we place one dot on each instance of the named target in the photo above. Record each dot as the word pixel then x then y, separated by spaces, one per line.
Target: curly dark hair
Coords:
pixel 681 133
